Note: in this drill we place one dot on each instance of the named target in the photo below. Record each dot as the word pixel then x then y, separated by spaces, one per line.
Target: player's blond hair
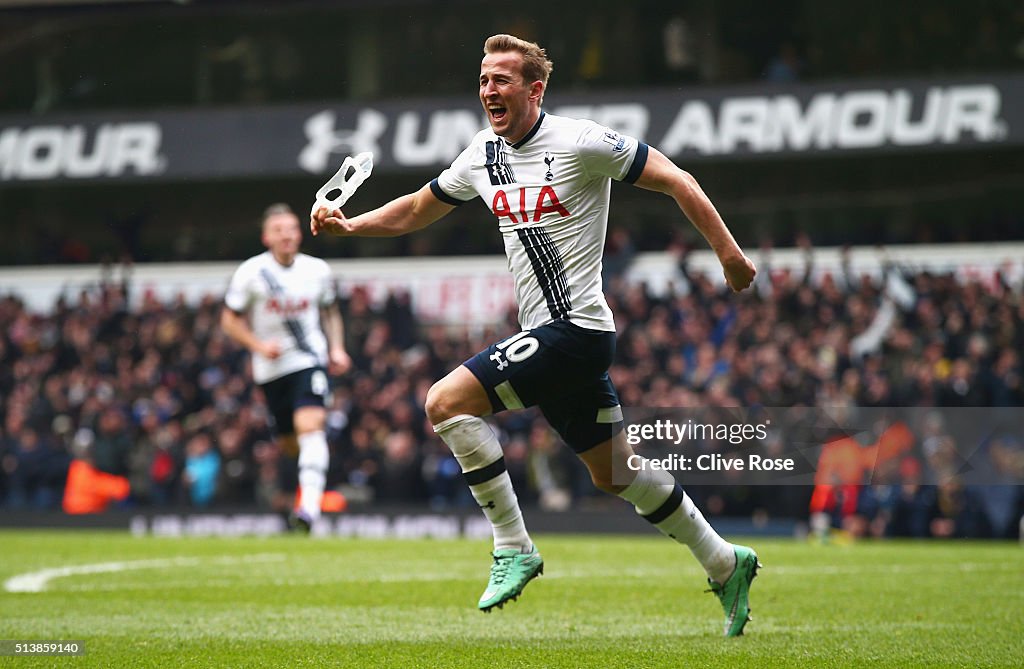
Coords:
pixel 536 66
pixel 274 210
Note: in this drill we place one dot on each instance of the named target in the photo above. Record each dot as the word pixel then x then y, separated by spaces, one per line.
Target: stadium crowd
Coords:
pixel 158 396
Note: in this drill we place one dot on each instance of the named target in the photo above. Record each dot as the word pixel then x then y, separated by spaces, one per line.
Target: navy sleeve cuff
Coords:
pixel 637 168
pixel 435 188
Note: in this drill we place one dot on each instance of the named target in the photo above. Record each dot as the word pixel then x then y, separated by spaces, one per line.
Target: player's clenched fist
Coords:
pixel 739 272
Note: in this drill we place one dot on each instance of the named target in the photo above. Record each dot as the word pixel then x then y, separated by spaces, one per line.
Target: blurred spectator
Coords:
pixel 237 472
pixel 1001 502
pixel 88 489
pixel 401 475
pixel 549 475
pixel 34 471
pixel 202 465
pixel 957 512
pixel 112 444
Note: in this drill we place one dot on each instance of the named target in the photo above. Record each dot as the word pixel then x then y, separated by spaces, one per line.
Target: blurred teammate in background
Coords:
pixel 281 305
pixel 547 179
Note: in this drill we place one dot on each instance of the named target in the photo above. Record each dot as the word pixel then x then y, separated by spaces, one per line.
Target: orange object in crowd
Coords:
pixel 844 464
pixel 841 468
pixel 894 443
pixel 843 461
pixel 332 502
pixel 88 490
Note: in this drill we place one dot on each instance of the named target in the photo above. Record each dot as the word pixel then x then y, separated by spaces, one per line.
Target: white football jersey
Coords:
pixel 550 193
pixel 284 304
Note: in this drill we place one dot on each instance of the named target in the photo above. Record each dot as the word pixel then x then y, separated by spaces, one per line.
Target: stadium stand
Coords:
pixel 146 392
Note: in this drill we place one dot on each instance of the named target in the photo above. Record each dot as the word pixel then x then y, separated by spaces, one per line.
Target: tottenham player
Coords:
pixel 289 298
pixel 547 180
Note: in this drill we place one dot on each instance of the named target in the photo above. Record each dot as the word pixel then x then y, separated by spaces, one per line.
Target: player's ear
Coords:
pixel 537 91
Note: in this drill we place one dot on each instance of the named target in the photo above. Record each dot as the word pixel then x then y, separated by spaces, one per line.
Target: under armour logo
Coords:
pixel 496 357
pixel 489 505
pixel 325 139
pixel 548 159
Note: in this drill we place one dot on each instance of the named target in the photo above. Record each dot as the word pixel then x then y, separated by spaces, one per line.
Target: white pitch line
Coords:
pixel 36 581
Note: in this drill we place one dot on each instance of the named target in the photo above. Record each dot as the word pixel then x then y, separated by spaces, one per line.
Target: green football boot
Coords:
pixel 734 593
pixel 510 573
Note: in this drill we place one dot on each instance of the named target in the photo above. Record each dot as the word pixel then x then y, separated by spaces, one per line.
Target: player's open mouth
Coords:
pixel 497 113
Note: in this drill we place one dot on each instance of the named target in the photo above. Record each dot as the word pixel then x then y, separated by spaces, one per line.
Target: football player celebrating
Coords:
pixel 547 180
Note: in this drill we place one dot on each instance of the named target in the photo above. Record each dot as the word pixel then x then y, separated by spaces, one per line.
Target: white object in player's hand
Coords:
pixel 339 188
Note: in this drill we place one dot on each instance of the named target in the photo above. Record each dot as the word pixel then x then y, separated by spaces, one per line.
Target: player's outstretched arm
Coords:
pixel 400 216
pixel 662 175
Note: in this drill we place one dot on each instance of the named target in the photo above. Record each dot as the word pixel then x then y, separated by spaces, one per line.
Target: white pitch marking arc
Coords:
pixel 36 581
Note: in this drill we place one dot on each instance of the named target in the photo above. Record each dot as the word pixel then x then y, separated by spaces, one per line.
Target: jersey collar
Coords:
pixel 529 135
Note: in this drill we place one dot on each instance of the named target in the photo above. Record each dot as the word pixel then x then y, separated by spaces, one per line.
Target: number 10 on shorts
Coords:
pixel 516 349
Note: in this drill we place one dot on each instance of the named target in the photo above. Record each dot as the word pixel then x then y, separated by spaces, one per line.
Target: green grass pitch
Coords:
pixel 603 602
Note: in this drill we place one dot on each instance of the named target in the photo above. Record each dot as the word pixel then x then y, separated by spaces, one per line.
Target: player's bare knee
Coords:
pixel 438 405
pixel 459 393
pixel 309 419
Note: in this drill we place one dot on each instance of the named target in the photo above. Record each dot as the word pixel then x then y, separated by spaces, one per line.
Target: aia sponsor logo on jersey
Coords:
pixel 287 307
pixel 543 202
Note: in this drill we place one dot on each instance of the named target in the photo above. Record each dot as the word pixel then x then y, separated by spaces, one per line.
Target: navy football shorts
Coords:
pixel 563 369
pixel 304 388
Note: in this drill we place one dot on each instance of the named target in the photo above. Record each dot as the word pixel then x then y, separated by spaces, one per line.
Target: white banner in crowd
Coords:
pixel 477 291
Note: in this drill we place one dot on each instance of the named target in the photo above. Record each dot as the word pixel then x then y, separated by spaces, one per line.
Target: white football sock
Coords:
pixel 483 464
pixel 313 460
pixel 662 502
pixel 498 501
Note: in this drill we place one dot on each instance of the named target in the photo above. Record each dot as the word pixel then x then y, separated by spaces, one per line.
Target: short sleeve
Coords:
pixel 453 185
pixel 237 297
pixel 607 153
